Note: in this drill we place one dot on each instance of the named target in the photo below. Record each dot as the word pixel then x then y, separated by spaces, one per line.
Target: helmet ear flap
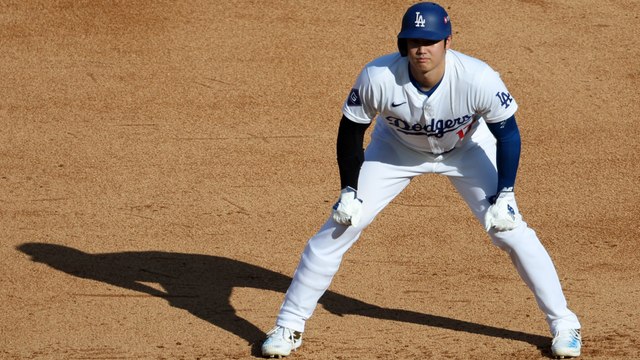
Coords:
pixel 402 47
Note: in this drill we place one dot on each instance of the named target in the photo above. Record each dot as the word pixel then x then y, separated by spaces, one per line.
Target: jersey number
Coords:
pixel 462 132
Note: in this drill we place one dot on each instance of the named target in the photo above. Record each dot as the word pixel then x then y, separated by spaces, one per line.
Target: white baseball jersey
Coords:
pixel 470 90
pixel 408 120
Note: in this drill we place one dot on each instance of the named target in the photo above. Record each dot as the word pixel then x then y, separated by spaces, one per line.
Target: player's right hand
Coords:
pixel 348 209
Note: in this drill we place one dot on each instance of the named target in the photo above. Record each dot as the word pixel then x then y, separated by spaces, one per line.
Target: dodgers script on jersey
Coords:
pixel 469 93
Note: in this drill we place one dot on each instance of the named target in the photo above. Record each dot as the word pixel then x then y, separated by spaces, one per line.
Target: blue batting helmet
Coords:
pixel 427 21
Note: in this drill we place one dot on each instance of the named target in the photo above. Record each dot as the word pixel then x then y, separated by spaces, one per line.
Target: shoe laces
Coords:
pixel 568 335
pixel 285 333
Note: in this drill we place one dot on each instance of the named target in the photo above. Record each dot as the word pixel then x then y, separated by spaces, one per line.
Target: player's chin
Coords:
pixel 423 66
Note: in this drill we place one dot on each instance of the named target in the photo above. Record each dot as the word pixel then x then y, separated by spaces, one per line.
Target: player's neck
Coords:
pixel 428 79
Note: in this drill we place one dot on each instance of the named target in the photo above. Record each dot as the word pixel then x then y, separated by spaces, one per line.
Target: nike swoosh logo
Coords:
pixel 396 105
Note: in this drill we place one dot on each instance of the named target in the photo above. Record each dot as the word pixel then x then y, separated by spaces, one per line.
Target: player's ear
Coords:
pixel 447 42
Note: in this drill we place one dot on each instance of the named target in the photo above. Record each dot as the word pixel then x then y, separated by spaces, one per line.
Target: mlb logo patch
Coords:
pixel 354 98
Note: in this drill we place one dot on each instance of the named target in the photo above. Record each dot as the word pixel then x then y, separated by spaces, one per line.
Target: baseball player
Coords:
pixel 437 111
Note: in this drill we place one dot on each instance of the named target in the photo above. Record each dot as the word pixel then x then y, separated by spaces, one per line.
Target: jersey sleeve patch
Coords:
pixel 354 98
pixel 504 98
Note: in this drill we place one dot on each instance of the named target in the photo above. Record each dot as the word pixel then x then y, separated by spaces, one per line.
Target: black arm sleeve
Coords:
pixel 350 151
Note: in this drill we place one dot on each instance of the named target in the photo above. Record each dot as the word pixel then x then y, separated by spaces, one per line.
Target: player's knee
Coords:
pixel 509 240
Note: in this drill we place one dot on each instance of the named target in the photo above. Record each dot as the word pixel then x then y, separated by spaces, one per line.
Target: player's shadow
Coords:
pixel 202 285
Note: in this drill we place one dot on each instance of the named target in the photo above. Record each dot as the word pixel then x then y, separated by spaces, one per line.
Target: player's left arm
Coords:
pixel 507 152
pixel 499 108
pixel 502 214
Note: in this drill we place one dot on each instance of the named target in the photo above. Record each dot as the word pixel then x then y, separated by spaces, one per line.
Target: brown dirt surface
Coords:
pixel 163 163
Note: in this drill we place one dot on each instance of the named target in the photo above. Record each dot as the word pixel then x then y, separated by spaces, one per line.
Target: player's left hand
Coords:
pixel 348 208
pixel 502 214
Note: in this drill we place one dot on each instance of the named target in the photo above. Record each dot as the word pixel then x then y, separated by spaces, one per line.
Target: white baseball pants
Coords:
pixel 388 168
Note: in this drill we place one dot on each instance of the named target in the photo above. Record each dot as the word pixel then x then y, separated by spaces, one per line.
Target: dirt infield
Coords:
pixel 162 164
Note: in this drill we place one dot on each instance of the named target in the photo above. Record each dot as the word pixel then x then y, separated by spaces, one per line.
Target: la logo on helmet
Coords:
pixel 419 19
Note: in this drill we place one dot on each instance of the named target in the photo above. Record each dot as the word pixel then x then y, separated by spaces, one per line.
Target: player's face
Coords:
pixel 427 55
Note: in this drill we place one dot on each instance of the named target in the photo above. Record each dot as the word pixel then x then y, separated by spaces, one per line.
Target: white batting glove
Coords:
pixel 348 209
pixel 502 214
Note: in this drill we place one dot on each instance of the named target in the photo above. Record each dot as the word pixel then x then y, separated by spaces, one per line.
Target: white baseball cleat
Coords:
pixel 566 344
pixel 280 342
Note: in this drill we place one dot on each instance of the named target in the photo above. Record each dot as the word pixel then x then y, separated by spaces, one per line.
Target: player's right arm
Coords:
pixel 358 113
pixel 350 151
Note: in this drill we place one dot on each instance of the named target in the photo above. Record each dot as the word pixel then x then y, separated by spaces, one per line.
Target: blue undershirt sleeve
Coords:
pixel 507 153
